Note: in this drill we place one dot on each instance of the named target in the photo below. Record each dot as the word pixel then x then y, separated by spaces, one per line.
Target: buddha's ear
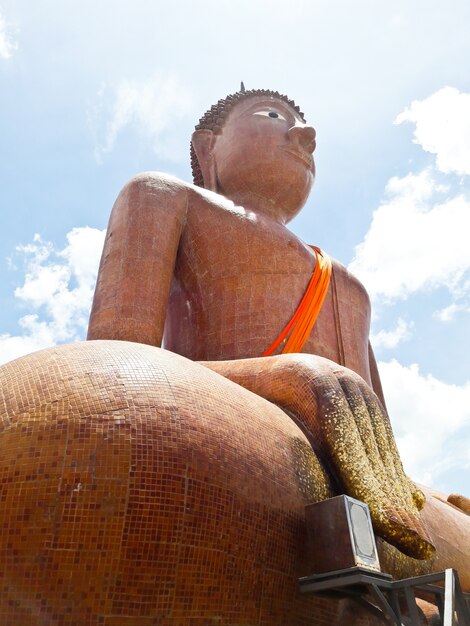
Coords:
pixel 203 143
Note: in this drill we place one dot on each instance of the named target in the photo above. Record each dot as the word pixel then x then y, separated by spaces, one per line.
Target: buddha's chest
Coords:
pixel 235 246
pixel 239 280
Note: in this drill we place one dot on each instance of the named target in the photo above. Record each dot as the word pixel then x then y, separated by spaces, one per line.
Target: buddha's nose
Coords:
pixel 303 136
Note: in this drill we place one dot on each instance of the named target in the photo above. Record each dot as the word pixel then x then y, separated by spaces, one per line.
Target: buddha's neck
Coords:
pixel 280 212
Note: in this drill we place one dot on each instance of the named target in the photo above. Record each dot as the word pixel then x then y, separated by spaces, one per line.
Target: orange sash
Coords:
pixel 307 312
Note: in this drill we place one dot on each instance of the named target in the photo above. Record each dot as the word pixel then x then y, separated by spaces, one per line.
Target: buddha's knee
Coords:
pixel 134 478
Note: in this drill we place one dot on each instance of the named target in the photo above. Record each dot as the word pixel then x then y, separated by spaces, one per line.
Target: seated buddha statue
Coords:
pixel 211 270
pixel 143 485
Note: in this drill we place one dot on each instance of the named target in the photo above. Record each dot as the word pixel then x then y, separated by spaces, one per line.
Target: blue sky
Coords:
pixel 92 92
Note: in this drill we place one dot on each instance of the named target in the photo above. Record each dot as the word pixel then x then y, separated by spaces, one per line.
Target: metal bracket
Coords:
pixel 388 596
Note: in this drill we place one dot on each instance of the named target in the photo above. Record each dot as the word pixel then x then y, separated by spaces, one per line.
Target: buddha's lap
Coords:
pixel 120 457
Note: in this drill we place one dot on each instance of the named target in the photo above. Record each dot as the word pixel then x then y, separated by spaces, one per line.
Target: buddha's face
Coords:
pixel 265 149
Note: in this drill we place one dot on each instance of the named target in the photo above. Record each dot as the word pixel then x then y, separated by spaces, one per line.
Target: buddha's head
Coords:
pixel 256 145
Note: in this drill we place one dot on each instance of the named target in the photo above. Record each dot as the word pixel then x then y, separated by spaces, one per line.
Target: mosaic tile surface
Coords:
pixel 132 495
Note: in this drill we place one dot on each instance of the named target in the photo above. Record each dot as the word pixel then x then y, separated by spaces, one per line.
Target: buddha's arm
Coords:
pixel 349 426
pixel 138 260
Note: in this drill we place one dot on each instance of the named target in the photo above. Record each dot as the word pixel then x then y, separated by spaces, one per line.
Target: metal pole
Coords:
pixel 449 598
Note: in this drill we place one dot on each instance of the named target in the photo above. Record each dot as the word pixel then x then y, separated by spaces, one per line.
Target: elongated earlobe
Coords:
pixel 203 143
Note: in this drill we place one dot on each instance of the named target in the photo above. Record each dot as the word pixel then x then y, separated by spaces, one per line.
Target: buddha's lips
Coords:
pixel 303 155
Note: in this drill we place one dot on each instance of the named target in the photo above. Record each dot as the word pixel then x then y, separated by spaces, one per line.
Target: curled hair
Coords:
pixel 214 119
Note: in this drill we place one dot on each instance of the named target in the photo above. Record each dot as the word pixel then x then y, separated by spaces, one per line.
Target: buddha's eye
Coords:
pixel 272 114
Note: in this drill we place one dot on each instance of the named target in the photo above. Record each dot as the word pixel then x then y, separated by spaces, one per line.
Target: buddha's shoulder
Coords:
pixel 155 182
pixel 161 183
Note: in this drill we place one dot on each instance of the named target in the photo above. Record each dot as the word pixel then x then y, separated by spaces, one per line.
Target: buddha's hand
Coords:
pixel 351 429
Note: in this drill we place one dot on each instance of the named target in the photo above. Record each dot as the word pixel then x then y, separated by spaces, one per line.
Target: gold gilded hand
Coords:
pixel 350 429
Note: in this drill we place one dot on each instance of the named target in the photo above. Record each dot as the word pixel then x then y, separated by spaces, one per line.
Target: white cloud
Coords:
pixel 449 312
pixel 443 128
pixel 418 238
pixel 391 338
pixel 57 290
pixel 431 421
pixel 415 242
pixel 149 106
pixel 7 45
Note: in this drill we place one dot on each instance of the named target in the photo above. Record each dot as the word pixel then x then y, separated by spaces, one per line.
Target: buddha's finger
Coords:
pixel 368 416
pixel 405 533
pixel 387 443
pixel 342 436
pixel 344 441
pixel 362 418
pixel 395 482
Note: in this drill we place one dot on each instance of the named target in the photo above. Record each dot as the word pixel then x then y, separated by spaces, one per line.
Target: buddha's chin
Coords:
pixel 288 187
pixel 292 192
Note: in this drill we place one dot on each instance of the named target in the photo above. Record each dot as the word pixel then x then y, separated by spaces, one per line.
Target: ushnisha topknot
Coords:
pixel 214 118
